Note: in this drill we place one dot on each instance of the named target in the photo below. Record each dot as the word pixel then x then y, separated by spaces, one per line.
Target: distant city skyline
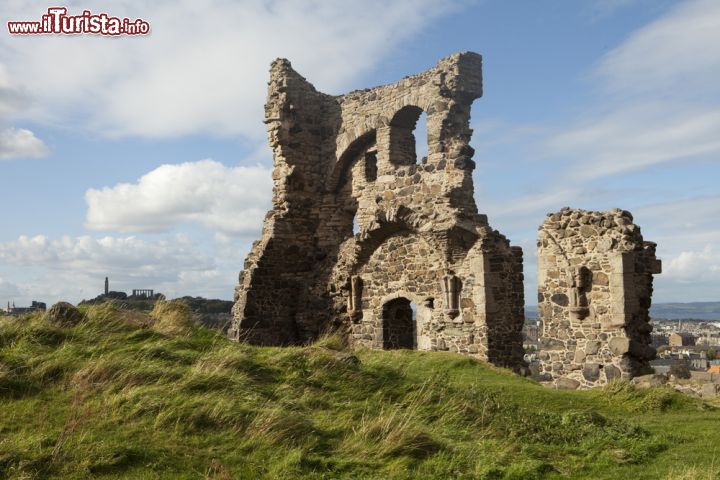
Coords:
pixel 145 158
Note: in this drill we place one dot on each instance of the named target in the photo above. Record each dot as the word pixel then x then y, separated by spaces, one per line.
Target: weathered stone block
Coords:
pixel 565 383
pixel 619 346
pixel 591 348
pixel 579 356
pixel 591 372
pixel 612 373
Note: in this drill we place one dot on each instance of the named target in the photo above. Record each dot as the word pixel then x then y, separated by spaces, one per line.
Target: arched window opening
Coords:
pixel 405 126
pixel 349 220
pixel 421 139
pixel 356 151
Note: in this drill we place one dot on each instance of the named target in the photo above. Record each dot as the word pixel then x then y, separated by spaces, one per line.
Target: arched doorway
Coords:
pixel 399 324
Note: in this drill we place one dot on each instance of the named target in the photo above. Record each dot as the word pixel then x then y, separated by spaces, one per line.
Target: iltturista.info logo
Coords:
pixel 57 22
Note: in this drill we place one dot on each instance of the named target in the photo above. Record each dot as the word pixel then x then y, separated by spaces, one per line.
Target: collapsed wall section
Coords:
pixel 280 265
pixel 595 275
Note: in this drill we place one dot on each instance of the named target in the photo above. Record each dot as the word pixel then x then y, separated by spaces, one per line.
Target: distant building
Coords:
pixel 143 293
pixel 658 339
pixel 662 365
pixel 17 311
pixel 709 339
pixel 115 295
pixel 137 293
pixel 111 294
pixel 699 364
pixel 681 339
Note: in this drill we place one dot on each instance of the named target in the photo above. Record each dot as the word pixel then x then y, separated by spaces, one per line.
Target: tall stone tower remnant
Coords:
pixel 595 275
pixel 365 237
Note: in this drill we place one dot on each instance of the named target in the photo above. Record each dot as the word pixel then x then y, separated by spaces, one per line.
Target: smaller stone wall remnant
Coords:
pixel 594 292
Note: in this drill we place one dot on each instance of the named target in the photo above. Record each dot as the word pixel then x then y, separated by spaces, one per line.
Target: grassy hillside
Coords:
pixel 124 395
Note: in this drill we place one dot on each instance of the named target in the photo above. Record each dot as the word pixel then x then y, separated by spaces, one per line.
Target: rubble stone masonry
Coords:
pixel 368 239
pixel 594 292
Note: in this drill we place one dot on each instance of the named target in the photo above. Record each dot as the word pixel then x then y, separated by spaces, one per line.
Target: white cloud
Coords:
pixel 203 70
pixel 7 290
pixel 688 217
pixel 73 268
pixel 639 136
pixel 205 65
pixel 97 255
pixel 661 98
pixel 11 99
pixel 550 201
pixel 489 133
pixel 524 214
pixel 694 265
pixel 20 143
pixel 687 234
pixel 692 274
pixel 230 200
pixel 660 104
pixel 672 55
pixel 15 142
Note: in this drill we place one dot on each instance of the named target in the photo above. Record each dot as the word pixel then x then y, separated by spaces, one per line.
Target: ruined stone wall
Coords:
pixel 281 264
pixel 418 237
pixel 594 291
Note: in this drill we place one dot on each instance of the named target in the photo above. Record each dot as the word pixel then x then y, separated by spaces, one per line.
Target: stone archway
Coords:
pixel 399 324
pixel 403 144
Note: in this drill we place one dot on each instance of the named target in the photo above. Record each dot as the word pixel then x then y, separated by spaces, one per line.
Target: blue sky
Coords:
pixel 145 158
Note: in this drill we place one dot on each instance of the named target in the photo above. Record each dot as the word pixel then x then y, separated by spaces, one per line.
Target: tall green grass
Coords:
pixel 128 395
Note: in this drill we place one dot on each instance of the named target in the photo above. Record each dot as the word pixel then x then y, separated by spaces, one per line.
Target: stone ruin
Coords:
pixel 367 239
pixel 594 290
pixel 424 269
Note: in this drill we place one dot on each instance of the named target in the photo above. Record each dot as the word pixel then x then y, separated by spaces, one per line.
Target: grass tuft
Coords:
pixel 172 318
pixel 658 399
